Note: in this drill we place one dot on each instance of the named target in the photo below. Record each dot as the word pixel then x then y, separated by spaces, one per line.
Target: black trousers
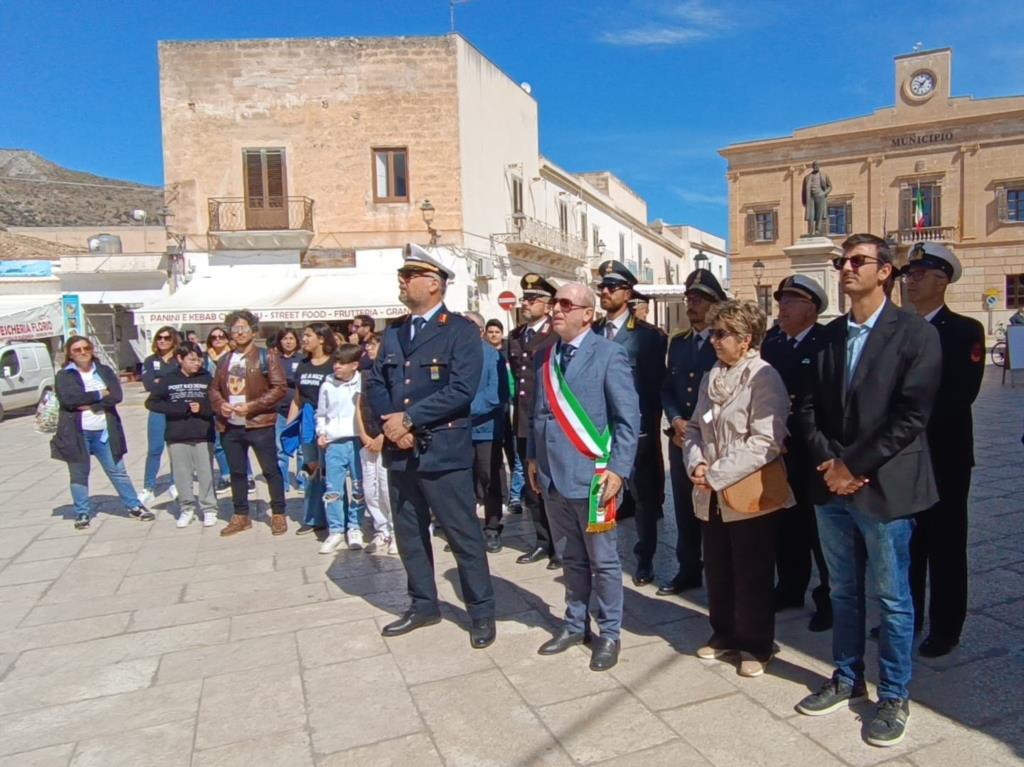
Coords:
pixel 797 542
pixel 534 506
pixel 489 481
pixel 739 566
pixel 938 554
pixel 645 490
pixel 688 526
pixel 236 441
pixel 448 495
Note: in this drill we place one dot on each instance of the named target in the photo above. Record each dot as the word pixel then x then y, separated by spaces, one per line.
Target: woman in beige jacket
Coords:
pixel 738 427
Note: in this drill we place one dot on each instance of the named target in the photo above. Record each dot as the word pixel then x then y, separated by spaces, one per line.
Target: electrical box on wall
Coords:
pixel 485 269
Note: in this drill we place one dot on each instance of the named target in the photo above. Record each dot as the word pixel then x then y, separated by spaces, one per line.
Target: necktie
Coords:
pixel 853 332
pixel 609 331
pixel 793 342
pixel 698 340
pixel 528 335
pixel 565 356
pixel 417 326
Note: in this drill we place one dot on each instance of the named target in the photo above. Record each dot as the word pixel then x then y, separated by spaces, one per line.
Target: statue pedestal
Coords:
pixel 812 256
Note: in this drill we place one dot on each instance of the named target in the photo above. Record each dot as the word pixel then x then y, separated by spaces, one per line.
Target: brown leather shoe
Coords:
pixel 238 523
pixel 278 524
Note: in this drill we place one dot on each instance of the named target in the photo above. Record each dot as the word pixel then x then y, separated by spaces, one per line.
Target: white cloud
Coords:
pixel 676 23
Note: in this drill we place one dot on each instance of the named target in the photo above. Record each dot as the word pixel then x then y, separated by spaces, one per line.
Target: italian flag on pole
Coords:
pixel 918 210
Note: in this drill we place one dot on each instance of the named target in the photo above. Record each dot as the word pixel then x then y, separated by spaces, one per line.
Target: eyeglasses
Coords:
pixel 237 329
pixel 719 334
pixel 217 336
pixel 80 349
pixel 405 275
pixel 611 287
pixel 856 262
pixel 565 305
pixel 163 337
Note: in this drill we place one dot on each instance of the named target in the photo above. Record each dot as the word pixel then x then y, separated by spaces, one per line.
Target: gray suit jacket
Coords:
pixel 602 380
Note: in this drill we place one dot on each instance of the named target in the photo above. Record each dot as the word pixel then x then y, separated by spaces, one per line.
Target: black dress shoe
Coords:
pixel 820 621
pixel 605 654
pixel 679 585
pixel 555 563
pixel 532 556
pixel 409 622
pixel 644 574
pixel 515 508
pixel 936 646
pixel 563 642
pixel 482 633
pixel 492 541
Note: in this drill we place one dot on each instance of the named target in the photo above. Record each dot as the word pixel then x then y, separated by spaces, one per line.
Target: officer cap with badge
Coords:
pixel 535 286
pixel 932 255
pixel 805 287
pixel 638 298
pixel 417 259
pixel 614 274
pixel 703 282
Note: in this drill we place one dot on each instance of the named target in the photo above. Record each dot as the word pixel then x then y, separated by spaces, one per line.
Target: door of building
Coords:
pixel 266 200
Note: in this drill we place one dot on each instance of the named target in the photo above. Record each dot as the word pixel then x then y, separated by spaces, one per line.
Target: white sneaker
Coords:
pixel 378 543
pixel 185 518
pixel 331 544
pixel 354 538
pixel 209 519
pixel 392 546
pixel 173 492
pixel 146 497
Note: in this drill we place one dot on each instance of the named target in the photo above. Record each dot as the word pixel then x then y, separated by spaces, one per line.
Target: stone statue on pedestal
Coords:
pixel 814 196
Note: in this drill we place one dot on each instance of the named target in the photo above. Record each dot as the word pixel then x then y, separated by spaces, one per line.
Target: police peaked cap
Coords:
pixel 638 298
pixel 535 286
pixel 931 255
pixel 703 281
pixel 802 285
pixel 616 271
pixel 415 257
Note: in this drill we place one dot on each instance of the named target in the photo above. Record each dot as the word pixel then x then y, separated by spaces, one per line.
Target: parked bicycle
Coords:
pixel 999 354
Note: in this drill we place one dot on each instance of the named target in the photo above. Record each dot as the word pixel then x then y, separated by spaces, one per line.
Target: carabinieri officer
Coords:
pixel 421 386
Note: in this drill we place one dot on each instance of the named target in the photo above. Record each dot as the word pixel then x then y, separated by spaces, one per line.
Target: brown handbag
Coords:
pixel 766 489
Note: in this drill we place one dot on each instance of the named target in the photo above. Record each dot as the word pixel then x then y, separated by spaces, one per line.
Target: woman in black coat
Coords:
pixel 88 425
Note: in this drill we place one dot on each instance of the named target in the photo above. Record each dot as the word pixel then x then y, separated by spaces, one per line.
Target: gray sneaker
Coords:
pixel 834 694
pixel 890 722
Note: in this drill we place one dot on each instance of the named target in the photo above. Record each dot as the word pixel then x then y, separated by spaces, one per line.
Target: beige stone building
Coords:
pixel 957 159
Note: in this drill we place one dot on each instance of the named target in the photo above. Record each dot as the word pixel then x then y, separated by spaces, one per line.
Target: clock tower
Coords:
pixel 923 79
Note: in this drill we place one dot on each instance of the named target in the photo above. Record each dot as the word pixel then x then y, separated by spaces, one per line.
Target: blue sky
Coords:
pixel 649 89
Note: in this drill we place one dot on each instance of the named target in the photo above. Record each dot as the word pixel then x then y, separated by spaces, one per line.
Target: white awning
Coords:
pixel 667 293
pixel 26 317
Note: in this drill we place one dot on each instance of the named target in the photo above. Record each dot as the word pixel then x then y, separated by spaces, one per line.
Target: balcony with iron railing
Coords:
pixel 925 234
pixel 534 240
pixel 254 223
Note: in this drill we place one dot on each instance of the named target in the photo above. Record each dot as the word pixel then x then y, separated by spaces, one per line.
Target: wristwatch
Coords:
pixel 406 421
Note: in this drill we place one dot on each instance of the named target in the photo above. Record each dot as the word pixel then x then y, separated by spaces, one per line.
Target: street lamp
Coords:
pixel 600 248
pixel 428 218
pixel 701 261
pixel 758 271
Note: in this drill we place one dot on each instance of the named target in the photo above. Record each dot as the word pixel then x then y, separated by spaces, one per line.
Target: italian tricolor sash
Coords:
pixel 585 437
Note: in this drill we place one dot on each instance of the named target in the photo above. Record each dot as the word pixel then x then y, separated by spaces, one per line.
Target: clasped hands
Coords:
pixel 839 479
pixel 395 430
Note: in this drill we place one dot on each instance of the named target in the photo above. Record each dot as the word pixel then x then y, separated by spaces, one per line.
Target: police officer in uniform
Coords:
pixel 645 345
pixel 938 548
pixel 524 344
pixel 640 305
pixel 690 356
pixel 790 349
pixel 421 386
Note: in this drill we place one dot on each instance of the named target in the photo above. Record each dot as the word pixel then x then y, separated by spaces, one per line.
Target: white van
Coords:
pixel 26 374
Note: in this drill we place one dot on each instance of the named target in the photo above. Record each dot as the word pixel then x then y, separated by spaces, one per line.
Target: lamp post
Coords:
pixel 758 274
pixel 758 271
pixel 701 261
pixel 428 218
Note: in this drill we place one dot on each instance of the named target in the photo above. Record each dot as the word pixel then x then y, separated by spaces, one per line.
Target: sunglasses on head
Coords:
pixel 856 262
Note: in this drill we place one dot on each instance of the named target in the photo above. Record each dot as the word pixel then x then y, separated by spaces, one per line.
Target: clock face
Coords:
pixel 922 83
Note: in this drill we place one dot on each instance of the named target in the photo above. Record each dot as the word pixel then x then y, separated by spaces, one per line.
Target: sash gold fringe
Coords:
pixel 601 527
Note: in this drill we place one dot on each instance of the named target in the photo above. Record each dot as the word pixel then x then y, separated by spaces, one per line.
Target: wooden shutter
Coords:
pixel 775 225
pixel 1002 208
pixel 255 192
pixel 849 219
pixel 751 223
pixel 906 208
pixel 266 195
pixel 935 219
pixel 274 161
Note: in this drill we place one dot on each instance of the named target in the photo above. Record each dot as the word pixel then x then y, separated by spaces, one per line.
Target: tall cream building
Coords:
pixel 960 160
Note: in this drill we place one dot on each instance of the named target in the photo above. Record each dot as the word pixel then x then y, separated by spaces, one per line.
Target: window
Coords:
pixel 930 196
pixel 840 218
pixel 1014 291
pixel 266 201
pixel 596 238
pixel 622 246
pixel 762 226
pixel 391 175
pixel 563 217
pixel 9 364
pixel 583 228
pixel 517 194
pixel 764 299
pixel 1011 204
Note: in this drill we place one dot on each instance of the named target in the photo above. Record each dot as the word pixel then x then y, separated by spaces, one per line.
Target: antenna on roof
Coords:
pixel 451 9
pixel 917 46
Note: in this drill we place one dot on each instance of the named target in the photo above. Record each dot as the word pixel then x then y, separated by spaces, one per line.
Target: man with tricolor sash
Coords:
pixel 581 445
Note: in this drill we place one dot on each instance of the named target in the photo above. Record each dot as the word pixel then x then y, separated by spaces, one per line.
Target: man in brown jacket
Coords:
pixel 245 392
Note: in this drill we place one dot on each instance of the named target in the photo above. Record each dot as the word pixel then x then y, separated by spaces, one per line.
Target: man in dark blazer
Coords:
pixel 789 350
pixel 525 344
pixel 938 548
pixel 645 345
pixel 863 411
pixel 600 385
pixel 690 356
pixel 421 384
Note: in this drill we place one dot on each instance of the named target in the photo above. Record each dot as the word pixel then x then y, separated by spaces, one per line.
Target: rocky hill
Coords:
pixel 37 192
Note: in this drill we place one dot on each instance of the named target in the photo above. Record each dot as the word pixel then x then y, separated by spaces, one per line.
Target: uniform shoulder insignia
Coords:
pixel 681 334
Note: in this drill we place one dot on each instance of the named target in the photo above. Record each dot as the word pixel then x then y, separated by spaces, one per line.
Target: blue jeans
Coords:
pixel 156 431
pixel 516 483
pixel 115 472
pixel 313 513
pixel 852 543
pixel 222 459
pixel 341 460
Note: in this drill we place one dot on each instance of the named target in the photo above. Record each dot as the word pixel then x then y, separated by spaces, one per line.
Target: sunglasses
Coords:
pixel 565 305
pixel 163 337
pixel 531 299
pixel 719 334
pixel 216 336
pixel 611 287
pixel 405 275
pixel 916 275
pixel 856 262
pixel 241 329
pixel 80 349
